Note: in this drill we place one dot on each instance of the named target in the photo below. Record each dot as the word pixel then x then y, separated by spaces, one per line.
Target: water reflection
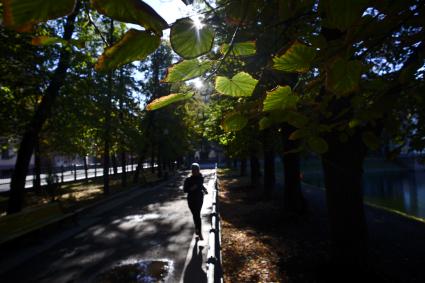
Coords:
pixel 401 190
pixel 140 271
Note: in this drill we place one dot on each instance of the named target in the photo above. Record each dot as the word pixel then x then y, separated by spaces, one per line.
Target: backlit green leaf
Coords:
pixel 242 84
pixel 234 121
pixel 265 123
pixel 298 58
pixel 343 76
pixel 22 15
pixel 280 98
pixel 186 70
pixel 168 99
pixel 317 145
pixel 131 11
pixel 135 45
pixel 190 41
pixel 240 49
pixel 296 119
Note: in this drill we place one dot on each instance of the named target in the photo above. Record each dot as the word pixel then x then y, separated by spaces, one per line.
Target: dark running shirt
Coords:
pixel 194 185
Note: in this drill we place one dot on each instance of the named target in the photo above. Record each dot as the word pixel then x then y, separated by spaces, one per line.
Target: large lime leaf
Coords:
pixel 343 76
pixel 22 15
pixel 298 58
pixel 280 98
pixel 234 121
pixel 168 99
pixel 317 145
pixel 186 70
pixel 342 14
pixel 240 48
pixel 242 84
pixel 135 45
pixel 190 41
pixel 131 11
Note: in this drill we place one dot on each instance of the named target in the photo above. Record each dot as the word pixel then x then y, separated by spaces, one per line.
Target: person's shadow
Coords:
pixel 194 272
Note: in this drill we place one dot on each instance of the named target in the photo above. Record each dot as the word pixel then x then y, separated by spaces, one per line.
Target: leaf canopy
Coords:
pixel 189 41
pixel 265 123
pixel 240 49
pixel 371 140
pixel 341 14
pixel 242 84
pixel 317 145
pixel 186 70
pixel 134 45
pixel 131 11
pixel 298 58
pixel 234 121
pixel 50 40
pixel 343 76
pixel 22 15
pixel 280 98
pixel 168 99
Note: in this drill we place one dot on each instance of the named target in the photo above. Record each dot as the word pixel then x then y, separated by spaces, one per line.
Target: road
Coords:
pixel 149 224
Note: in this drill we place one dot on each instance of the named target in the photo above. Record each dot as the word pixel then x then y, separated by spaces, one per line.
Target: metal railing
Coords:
pixel 67 174
pixel 214 270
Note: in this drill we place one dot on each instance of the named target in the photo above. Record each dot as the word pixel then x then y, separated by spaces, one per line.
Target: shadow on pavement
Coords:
pixel 194 272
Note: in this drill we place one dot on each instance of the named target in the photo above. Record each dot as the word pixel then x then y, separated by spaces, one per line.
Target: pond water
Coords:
pixel 400 190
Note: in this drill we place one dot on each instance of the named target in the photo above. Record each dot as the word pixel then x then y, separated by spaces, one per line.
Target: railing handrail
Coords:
pixel 214 270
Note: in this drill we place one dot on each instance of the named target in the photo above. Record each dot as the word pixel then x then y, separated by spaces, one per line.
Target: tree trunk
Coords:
pixel 107 126
pixel 243 167
pixel 43 112
pixel 159 173
pixel 86 168
pixel 153 159
pixel 37 167
pixel 343 169
pixel 255 170
pixel 269 166
pixel 122 145
pixel 124 169
pixel 139 168
pixel 114 164
pixel 293 199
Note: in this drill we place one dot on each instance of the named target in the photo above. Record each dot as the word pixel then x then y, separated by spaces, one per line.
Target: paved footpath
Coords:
pixel 145 224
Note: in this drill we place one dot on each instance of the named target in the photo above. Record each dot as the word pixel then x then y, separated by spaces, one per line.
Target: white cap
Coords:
pixel 195 165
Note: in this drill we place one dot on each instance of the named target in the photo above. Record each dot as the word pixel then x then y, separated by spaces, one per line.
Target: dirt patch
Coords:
pixel 248 255
pixel 262 243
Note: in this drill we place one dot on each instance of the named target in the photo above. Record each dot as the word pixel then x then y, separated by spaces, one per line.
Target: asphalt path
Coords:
pixel 146 224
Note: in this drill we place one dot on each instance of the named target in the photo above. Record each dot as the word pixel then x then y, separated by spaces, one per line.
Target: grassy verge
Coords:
pixel 81 193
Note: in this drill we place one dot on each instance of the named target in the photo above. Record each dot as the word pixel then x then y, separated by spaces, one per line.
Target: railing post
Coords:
pixel 62 173
pixel 75 172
